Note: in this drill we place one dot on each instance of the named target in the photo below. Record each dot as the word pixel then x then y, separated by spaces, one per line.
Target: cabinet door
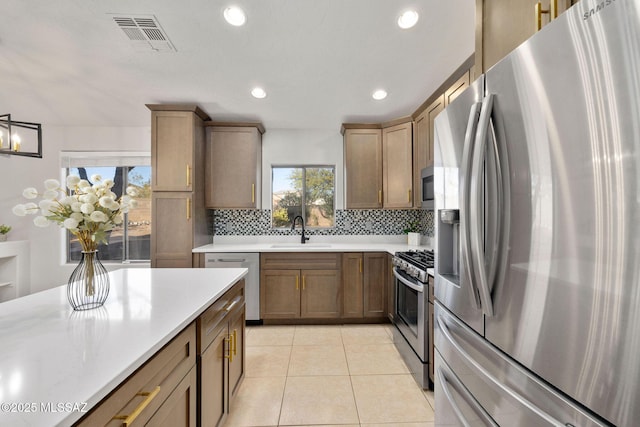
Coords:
pixel 172 144
pixel 423 145
pixel 233 167
pixel 391 288
pixel 363 168
pixel 172 235
pixel 457 88
pixel 397 176
pixel 214 380
pixel 375 283
pixel 179 410
pixel 320 294
pixel 280 294
pixel 237 364
pixel 352 273
pixel 502 25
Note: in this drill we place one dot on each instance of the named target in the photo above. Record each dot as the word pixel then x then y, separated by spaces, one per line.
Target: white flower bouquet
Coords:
pixel 90 212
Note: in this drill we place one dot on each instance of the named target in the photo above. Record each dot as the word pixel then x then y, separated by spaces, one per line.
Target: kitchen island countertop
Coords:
pixel 51 355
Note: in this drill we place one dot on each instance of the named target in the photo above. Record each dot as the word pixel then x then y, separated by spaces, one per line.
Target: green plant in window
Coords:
pixel 4 229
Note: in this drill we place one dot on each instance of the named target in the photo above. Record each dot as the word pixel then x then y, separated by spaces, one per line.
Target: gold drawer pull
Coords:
pixel 230 347
pixel 360 262
pixel 188 175
pixel 303 282
pixel 297 283
pixel 233 303
pixel 552 11
pixel 409 195
pixel 188 208
pixel 149 396
pixel 379 196
pixel 253 193
pixel 235 342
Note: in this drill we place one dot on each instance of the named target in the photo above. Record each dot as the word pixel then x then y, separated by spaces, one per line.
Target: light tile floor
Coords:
pixel 338 376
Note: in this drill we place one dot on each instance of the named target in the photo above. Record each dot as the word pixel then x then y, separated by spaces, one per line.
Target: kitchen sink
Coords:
pixel 300 245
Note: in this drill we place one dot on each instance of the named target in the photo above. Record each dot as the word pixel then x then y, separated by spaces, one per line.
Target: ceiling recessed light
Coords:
pixel 258 92
pixel 235 16
pixel 408 19
pixel 379 94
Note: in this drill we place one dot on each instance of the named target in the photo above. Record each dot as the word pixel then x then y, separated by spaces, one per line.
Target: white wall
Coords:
pixel 299 147
pixel 48 268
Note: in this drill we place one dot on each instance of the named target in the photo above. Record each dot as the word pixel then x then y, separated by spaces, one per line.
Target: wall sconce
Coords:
pixel 20 138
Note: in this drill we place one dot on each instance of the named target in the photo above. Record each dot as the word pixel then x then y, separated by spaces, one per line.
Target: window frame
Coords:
pixel 113 159
pixel 304 167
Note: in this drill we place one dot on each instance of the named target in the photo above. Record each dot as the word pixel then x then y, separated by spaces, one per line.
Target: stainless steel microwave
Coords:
pixel 426 175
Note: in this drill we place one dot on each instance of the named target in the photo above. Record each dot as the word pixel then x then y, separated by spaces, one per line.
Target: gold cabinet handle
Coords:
pixel 253 193
pixel 149 396
pixel 379 196
pixel 188 175
pixel 188 208
pixel 297 283
pixel 230 347
pixel 552 11
pixel 235 342
pixel 409 195
pixel 360 265
pixel 303 282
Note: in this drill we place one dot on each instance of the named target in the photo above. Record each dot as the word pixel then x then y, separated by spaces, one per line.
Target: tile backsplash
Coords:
pixel 252 222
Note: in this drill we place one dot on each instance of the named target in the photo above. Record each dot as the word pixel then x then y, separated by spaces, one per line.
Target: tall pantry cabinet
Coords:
pixel 178 214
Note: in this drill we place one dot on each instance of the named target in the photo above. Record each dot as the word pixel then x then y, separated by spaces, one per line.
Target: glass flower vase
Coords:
pixel 88 285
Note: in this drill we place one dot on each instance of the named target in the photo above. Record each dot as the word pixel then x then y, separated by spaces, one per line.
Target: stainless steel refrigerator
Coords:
pixel 537 188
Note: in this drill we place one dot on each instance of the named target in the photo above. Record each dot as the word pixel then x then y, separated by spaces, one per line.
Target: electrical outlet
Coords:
pixel 368 225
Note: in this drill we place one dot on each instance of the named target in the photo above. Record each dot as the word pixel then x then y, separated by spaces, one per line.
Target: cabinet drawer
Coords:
pixel 209 320
pixel 140 395
pixel 300 261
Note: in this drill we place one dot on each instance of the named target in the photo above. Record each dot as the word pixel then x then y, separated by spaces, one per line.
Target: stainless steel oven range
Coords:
pixel 413 332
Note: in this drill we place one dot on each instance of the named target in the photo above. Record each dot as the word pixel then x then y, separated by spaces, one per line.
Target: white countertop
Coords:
pixel 51 354
pixel 307 247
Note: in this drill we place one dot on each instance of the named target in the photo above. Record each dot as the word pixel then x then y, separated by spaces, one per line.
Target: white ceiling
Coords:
pixel 66 62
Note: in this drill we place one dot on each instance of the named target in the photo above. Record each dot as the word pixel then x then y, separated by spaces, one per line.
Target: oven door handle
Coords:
pixel 417 288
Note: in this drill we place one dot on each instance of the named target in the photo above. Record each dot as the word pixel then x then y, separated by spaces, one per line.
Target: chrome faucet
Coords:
pixel 303 239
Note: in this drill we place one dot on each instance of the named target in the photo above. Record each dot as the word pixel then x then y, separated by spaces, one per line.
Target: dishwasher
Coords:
pixel 251 261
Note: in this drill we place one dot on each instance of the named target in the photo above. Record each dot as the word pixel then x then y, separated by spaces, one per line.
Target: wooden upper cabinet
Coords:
pixel 174 135
pixel 456 89
pixel 233 168
pixel 363 168
pixel 397 164
pixel 502 25
pixel 423 145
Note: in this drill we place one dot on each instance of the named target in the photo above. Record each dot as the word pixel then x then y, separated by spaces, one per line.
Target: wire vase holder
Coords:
pixel 89 283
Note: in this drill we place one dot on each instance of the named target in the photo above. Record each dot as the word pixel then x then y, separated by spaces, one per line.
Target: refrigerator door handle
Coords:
pixel 476 205
pixel 474 364
pixel 465 171
pixel 466 395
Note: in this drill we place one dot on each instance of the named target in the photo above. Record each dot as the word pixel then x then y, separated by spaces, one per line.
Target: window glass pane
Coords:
pixel 139 218
pixel 287 195
pixel 319 197
pixel 129 241
pixel 305 191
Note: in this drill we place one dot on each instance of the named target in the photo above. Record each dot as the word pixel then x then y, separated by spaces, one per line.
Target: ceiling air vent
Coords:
pixel 144 32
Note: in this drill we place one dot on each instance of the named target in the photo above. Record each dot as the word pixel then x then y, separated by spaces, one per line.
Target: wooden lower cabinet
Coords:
pixel 191 381
pixel 161 392
pixel 179 410
pixel 320 294
pixel 221 362
pixel 365 282
pixel 280 294
pixel 300 286
pixel 292 294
